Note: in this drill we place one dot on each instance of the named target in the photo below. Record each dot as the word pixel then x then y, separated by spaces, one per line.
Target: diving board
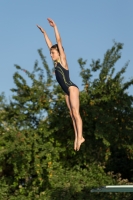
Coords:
pixel 114 188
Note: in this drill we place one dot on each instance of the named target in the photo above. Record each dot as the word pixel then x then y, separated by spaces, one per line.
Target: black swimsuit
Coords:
pixel 62 76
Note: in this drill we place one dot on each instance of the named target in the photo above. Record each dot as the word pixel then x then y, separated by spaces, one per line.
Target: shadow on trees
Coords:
pixel 119 162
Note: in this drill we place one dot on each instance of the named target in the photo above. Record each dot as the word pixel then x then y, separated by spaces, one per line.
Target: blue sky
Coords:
pixel 87 28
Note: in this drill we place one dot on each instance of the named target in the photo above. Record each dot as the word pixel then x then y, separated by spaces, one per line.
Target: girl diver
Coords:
pixel 62 76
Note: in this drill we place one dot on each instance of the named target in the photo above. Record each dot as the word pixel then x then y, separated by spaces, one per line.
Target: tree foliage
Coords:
pixel 37 160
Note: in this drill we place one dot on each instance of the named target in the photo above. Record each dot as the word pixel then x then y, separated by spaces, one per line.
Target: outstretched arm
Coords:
pixel 48 42
pixel 59 42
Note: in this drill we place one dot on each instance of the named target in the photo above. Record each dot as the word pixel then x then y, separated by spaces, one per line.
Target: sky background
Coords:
pixel 87 29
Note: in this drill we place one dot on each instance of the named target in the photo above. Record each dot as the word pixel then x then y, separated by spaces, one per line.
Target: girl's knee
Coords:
pixel 71 114
pixel 75 113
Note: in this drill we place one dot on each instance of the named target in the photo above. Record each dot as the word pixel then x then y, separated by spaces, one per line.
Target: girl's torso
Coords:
pixel 62 76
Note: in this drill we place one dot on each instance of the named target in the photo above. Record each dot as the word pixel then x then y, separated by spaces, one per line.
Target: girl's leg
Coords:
pixel 73 120
pixel 74 103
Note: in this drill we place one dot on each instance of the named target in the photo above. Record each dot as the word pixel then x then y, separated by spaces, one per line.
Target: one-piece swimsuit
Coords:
pixel 62 76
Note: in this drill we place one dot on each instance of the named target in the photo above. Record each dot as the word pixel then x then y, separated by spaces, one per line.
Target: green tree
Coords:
pixel 110 112
pixel 37 159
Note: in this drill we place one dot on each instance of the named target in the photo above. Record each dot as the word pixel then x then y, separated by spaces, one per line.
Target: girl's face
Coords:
pixel 54 54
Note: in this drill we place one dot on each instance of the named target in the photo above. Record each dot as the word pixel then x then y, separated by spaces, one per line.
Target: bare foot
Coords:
pixel 75 144
pixel 79 142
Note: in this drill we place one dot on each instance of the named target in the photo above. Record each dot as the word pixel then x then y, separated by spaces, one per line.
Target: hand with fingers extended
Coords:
pixel 41 29
pixel 51 22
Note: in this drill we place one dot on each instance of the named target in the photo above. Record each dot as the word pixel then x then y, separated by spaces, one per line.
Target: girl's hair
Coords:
pixel 55 46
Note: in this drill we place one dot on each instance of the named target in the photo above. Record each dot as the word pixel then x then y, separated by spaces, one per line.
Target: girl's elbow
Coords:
pixel 58 40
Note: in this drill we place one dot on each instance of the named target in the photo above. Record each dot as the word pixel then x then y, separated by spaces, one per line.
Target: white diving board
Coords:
pixel 114 188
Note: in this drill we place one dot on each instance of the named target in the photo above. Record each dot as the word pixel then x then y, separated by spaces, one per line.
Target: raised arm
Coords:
pixel 48 42
pixel 59 42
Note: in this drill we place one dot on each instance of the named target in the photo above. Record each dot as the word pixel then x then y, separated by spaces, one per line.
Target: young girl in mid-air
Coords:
pixel 62 76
